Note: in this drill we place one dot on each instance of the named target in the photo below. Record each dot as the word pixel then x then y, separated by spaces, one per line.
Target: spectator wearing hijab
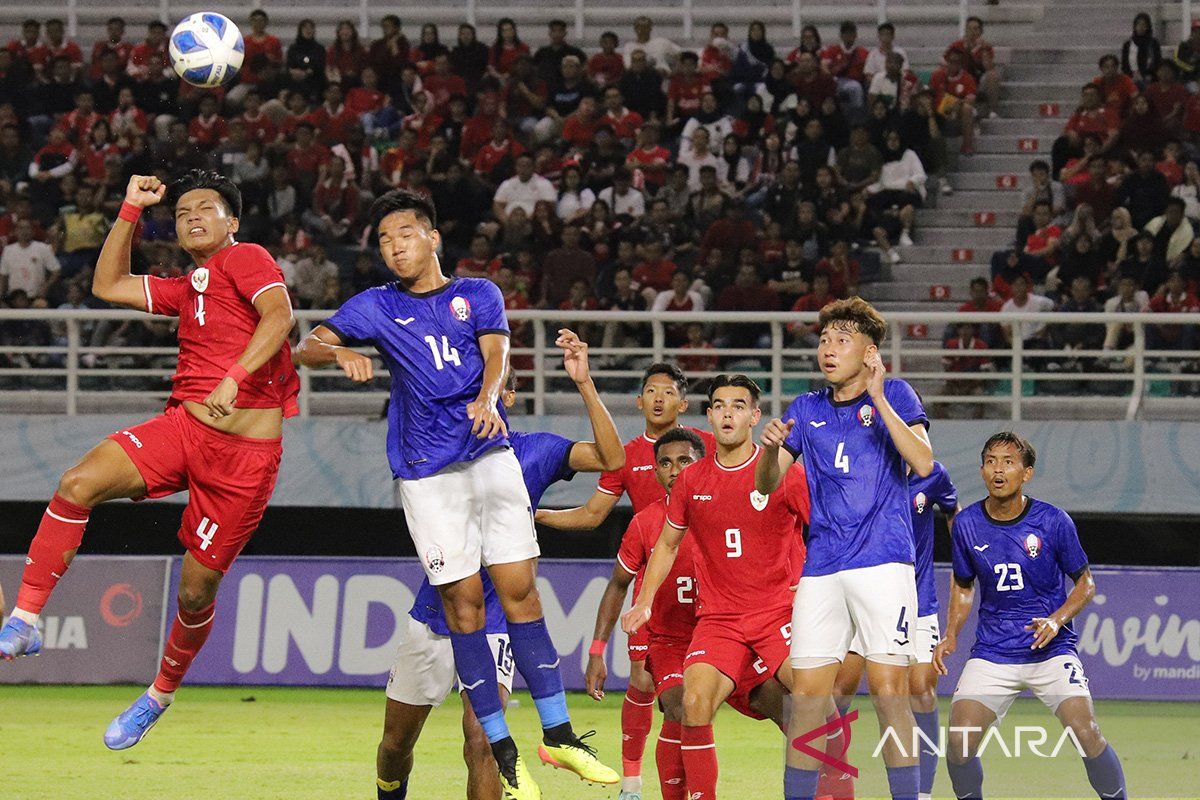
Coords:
pixel 1141 53
pixel 752 61
pixel 901 185
pixel 305 61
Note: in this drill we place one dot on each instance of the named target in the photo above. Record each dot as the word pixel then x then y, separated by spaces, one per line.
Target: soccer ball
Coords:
pixel 206 49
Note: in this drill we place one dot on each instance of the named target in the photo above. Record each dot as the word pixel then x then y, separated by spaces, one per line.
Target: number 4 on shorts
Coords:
pixel 205 531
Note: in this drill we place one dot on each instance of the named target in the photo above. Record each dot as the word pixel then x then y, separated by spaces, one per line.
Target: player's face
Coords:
pixel 841 352
pixel 408 244
pixel 203 223
pixel 672 458
pixel 1004 472
pixel 733 415
pixel 660 401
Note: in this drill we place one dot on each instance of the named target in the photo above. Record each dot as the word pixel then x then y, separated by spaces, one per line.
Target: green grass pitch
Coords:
pixel 296 744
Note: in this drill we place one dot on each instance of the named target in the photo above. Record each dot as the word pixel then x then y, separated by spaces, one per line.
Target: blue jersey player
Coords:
pixel 859 438
pixel 1023 552
pixel 445 343
pixel 424 670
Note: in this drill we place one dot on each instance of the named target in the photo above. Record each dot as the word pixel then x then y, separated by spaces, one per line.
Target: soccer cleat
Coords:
pixel 579 758
pixel 19 638
pixel 624 795
pixel 134 723
pixel 517 783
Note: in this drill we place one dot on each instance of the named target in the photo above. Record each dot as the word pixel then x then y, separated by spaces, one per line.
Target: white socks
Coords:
pixel 25 616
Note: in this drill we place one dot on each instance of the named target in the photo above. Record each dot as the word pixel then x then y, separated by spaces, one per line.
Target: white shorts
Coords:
pixel 471 514
pixel 424 673
pixel 926 639
pixel 997 685
pixel 878 604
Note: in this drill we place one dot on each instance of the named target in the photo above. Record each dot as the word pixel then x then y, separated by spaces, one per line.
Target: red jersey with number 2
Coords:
pixel 217 317
pixel 637 476
pixel 673 613
pixel 745 543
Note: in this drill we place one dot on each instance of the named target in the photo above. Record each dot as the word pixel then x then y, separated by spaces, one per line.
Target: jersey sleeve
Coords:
pixel 489 309
pixel 794 443
pixel 633 556
pixel 677 506
pixel 354 322
pixel 796 487
pixel 964 570
pixel 906 403
pixel 253 271
pixel 1068 552
pixel 612 482
pixel 164 296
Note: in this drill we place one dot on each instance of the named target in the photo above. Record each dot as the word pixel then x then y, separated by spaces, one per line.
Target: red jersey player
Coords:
pixel 662 400
pixel 219 437
pixel 744 549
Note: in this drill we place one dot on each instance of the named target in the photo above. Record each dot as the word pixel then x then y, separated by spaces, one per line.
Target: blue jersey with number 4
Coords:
pixel 1022 566
pixel 933 490
pixel 857 479
pixel 545 458
pixel 429 342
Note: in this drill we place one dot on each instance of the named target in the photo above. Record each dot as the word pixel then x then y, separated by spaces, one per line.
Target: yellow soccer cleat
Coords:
pixel 521 786
pixel 579 758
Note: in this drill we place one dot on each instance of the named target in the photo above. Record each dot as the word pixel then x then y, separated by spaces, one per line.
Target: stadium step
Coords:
pixel 896 291
pixel 1024 70
pixel 1000 183
pixel 954 275
pixel 962 237
pixel 945 254
pixel 952 214
pixel 1043 129
pixel 984 198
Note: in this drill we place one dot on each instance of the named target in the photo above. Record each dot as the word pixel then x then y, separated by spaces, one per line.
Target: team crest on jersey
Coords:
pixel 919 502
pixel 200 279
pixel 435 559
pixel 1033 545
pixel 866 415
pixel 461 307
pixel 759 501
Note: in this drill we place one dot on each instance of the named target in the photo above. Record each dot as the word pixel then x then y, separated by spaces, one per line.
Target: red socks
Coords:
pixel 60 532
pixel 700 761
pixel 669 759
pixel 188 635
pixel 637 715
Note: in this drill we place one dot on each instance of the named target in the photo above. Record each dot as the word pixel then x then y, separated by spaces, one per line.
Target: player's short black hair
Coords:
pixel 402 200
pixel 680 435
pixel 672 371
pixel 1022 445
pixel 738 381
pixel 207 179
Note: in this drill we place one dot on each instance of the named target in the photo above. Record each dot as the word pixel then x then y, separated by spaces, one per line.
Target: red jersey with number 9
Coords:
pixel 217 317
pixel 746 544
pixel 673 613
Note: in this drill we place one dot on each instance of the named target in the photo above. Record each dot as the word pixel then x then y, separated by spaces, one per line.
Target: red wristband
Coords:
pixel 129 213
pixel 237 372
pixel 598 647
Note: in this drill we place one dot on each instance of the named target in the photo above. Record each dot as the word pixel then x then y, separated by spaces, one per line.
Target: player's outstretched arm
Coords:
pixel 606 619
pixel 912 441
pixel 776 460
pixel 112 281
pixel 581 518
pixel 1046 628
pixel 606 452
pixel 657 569
pixel 962 597
pixel 323 346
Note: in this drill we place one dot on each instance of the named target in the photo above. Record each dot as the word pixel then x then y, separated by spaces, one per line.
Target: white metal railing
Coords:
pixel 69 375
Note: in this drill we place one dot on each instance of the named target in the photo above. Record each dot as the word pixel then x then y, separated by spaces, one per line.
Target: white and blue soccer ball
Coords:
pixel 206 49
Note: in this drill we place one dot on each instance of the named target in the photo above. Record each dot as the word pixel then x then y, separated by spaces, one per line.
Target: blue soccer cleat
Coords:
pixel 134 723
pixel 19 638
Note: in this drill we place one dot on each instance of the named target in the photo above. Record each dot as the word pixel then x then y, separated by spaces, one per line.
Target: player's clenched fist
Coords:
pixel 144 191
pixel 220 401
pixel 635 618
pixel 357 367
pixel 775 432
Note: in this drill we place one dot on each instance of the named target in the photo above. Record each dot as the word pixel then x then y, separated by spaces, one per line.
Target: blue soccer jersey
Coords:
pixel 1022 566
pixel 857 478
pixel 934 490
pixel 545 459
pixel 429 342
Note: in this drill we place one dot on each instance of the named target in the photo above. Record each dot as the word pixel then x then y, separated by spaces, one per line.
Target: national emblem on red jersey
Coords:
pixel 200 279
pixel 866 415
pixel 919 502
pixel 461 307
pixel 1033 545
pixel 759 501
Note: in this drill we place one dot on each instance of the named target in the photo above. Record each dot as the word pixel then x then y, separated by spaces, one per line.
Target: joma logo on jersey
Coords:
pixel 702 497
pixel 461 307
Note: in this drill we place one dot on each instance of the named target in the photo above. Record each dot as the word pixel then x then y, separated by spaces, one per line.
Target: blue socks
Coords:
pixel 537 661
pixel 395 790
pixel 927 721
pixel 477 671
pixel 967 779
pixel 799 784
pixel 1105 774
pixel 903 782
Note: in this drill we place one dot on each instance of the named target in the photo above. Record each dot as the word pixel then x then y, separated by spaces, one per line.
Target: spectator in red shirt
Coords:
pixel 366 98
pixel 696 340
pixel 650 157
pixel 506 49
pixel 495 160
pixel 982 300
pixel 155 42
pixel 334 211
pixel 95 148
pixel 207 128
pixel 1173 298
pixel 332 119
pixel 1092 116
pixel 31 34
pixel 606 67
pixel 811 83
pixel 967 340
pixel 747 293
pixel 843 272
pixel 258 124
pixel 477 130
pixel 1035 259
pixel 623 121
pixel 730 233
pixel 479 263
pixel 114 42
pixel 424 119
pixel 257 42
pixel 845 61
pixel 806 334
pixel 579 128
pixel 442 84
pixel 716 60
pixel 684 91
pixel 56 46
pixel 565 265
pixel 399 159
pixel 305 158
pixel 78 124
pixel 981 62
pixel 1116 88
pixel 389 53
pixel 346 57
pixel 1168 97
pixel 954 97
pixel 427 50
pixel 653 274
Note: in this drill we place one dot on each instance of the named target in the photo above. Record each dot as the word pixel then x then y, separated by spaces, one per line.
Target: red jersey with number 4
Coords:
pixel 637 476
pixel 673 613
pixel 745 542
pixel 217 317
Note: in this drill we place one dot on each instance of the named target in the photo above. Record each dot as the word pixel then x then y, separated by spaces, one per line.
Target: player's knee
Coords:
pixel 197 595
pixel 697 709
pixel 396 743
pixel 1089 737
pixel 79 485
pixel 923 699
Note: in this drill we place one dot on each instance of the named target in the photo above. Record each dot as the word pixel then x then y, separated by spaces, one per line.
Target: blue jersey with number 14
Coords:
pixel 857 479
pixel 430 343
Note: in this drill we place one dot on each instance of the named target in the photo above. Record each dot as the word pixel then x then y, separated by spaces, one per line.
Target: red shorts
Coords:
pixel 664 662
pixel 639 643
pixel 229 480
pixel 748 650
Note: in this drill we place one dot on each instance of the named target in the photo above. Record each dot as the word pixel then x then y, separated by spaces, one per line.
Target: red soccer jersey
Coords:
pixel 959 86
pixel 606 69
pixel 217 317
pixel 1100 121
pixel 686 92
pixel 637 476
pixel 268 45
pixel 260 128
pixel 744 542
pixel 625 126
pixel 673 612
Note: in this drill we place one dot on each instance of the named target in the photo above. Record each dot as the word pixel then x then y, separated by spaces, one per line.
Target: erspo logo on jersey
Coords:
pixel 461 307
